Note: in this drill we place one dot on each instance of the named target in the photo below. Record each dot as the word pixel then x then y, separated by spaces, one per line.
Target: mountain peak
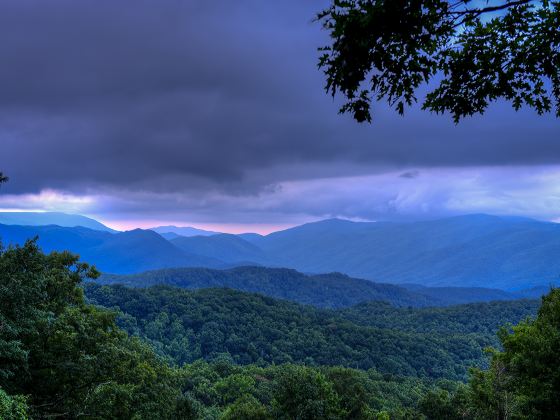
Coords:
pixel 183 231
pixel 485 217
pixel 51 218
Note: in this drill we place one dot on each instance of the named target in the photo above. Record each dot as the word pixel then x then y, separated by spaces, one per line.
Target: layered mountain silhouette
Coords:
pixel 225 247
pixel 474 250
pixel 123 252
pixel 174 231
pixel 468 251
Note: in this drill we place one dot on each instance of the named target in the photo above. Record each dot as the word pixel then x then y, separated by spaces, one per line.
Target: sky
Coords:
pixel 213 114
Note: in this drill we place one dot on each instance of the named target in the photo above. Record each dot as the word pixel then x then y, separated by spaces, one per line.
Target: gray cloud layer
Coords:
pixel 177 96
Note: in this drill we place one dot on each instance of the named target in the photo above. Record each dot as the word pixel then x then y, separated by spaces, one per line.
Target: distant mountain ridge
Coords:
pixel 121 252
pixel 474 251
pixel 51 218
pixel 333 290
pixel 508 253
pixel 224 246
pixel 183 231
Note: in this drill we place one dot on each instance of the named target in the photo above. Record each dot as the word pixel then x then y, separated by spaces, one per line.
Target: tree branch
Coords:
pixel 474 13
pixel 489 9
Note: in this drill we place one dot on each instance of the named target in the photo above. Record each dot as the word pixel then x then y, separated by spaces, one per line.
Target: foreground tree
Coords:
pixel 12 408
pixel 523 381
pixel 387 49
pixel 531 359
pixel 69 359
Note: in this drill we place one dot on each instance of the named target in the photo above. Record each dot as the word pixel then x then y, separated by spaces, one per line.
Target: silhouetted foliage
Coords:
pixel 3 178
pixel 473 53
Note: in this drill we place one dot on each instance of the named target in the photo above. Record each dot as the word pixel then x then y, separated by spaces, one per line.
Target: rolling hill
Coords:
pixel 460 295
pixel 333 290
pixel 475 251
pixel 186 231
pixel 327 290
pixel 187 325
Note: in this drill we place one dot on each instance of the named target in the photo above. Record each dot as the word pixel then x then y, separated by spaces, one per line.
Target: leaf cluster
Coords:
pixel 466 56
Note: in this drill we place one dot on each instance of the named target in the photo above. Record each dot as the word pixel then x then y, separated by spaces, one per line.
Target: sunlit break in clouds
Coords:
pixel 47 200
pixel 414 194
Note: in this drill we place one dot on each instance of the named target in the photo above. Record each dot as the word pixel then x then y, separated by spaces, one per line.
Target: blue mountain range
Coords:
pixel 467 251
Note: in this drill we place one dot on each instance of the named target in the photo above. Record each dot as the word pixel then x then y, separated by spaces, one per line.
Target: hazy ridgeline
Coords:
pixel 505 253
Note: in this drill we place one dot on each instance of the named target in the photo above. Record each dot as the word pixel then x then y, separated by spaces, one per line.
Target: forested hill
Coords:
pixel 478 318
pixel 326 290
pixel 188 325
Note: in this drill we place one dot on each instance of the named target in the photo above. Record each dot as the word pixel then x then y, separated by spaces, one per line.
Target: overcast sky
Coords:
pixel 212 113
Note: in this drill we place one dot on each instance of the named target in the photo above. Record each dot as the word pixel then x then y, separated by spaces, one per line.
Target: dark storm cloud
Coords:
pixel 179 96
pixel 410 174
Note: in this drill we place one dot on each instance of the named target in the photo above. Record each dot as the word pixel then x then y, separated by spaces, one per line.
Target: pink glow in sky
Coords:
pixel 407 194
pixel 234 228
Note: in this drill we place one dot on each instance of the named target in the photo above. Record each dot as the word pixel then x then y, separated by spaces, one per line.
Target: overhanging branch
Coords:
pixel 467 14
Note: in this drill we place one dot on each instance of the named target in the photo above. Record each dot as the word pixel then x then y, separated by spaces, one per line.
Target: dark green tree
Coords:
pixel 349 385
pixel 12 408
pixel 523 380
pixel 305 394
pixel 246 408
pixel 69 358
pixel 491 395
pixel 531 359
pixel 444 404
pixel 468 54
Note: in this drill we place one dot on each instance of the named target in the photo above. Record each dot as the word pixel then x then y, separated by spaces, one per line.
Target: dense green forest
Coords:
pixel 188 325
pixel 62 357
pixel 477 318
pixel 330 290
